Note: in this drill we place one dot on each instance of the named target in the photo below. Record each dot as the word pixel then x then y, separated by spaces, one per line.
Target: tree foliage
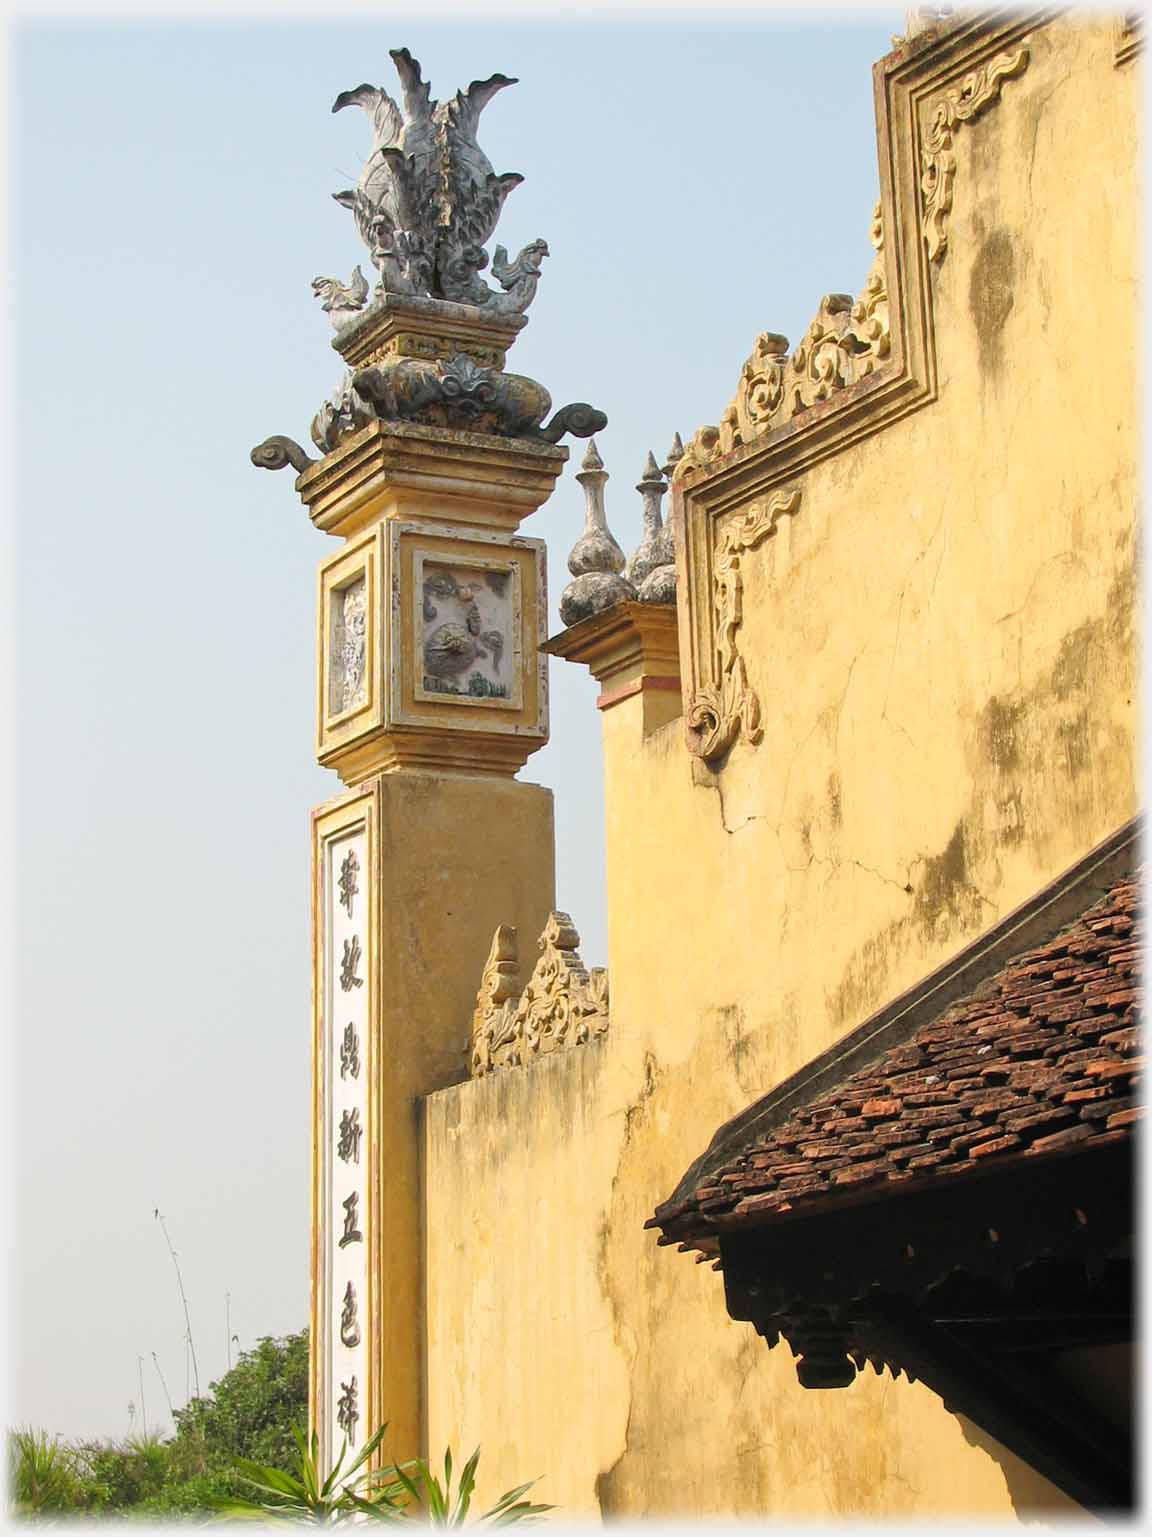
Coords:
pixel 250 1413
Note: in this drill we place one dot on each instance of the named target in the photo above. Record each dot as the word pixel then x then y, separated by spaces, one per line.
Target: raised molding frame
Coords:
pixel 909 84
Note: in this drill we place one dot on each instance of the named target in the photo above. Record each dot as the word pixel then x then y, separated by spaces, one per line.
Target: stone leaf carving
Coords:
pixel 728 708
pixel 428 200
pixel 976 92
pixel 563 1004
pixel 846 342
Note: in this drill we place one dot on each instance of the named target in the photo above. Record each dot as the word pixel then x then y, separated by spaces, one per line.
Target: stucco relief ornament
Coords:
pixel 562 1005
pixel 728 709
pixel 847 341
pixel 353 644
pixel 977 91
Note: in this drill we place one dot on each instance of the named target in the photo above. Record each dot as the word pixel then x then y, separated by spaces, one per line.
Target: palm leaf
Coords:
pixel 467 1485
pixel 521 1512
pixel 509 1497
pixel 367 1450
pixel 271 1480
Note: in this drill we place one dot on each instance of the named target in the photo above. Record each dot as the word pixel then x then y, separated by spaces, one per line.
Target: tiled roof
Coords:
pixel 1043 1056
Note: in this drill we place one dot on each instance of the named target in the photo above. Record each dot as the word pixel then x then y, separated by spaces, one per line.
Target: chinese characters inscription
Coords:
pixel 348 964
pixel 348 887
pixel 346 1411
pixel 349 1321
pixel 350 1053
pixel 348 1145
pixel 352 1233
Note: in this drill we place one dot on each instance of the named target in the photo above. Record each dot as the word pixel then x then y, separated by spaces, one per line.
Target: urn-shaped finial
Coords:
pixel 652 568
pixel 596 559
pixel 595 550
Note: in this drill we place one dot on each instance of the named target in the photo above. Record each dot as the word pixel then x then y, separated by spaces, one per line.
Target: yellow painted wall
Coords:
pixel 942 642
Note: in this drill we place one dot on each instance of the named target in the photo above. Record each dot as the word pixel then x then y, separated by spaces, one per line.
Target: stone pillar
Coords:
pixel 431 693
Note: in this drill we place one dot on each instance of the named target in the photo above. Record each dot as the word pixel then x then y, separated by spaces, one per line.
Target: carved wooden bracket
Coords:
pixel 562 1005
pixel 976 92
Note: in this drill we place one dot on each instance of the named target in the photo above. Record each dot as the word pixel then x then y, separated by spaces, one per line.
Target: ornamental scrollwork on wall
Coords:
pixel 846 342
pixel 563 1004
pixel 978 90
pixel 727 709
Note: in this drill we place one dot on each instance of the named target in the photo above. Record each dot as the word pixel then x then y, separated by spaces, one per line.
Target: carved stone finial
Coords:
pixel 428 346
pixel 675 454
pixel 428 200
pixel 652 568
pixel 596 559
pixel 562 1005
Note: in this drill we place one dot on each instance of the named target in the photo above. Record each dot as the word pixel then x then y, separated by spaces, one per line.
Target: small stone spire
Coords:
pixel 596 559
pixel 675 454
pixel 652 569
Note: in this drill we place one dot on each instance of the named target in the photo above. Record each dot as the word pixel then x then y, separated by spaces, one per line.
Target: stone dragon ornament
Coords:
pixel 426 343
pixel 562 1005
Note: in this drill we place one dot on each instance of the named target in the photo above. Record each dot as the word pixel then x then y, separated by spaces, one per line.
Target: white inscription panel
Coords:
pixel 345 1144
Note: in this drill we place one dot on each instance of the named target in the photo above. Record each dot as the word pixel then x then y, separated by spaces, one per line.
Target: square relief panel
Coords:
pixel 348 647
pixel 467 631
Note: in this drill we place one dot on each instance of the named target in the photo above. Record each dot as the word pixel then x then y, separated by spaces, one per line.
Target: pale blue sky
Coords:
pixel 696 183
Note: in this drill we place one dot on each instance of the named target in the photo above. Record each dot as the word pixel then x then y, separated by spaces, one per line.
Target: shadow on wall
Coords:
pixel 1033 1497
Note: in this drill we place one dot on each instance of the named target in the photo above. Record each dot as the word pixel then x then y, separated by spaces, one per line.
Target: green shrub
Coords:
pixel 43 1477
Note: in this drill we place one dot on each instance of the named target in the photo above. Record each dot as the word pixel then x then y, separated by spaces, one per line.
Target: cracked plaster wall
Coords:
pixel 942 641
